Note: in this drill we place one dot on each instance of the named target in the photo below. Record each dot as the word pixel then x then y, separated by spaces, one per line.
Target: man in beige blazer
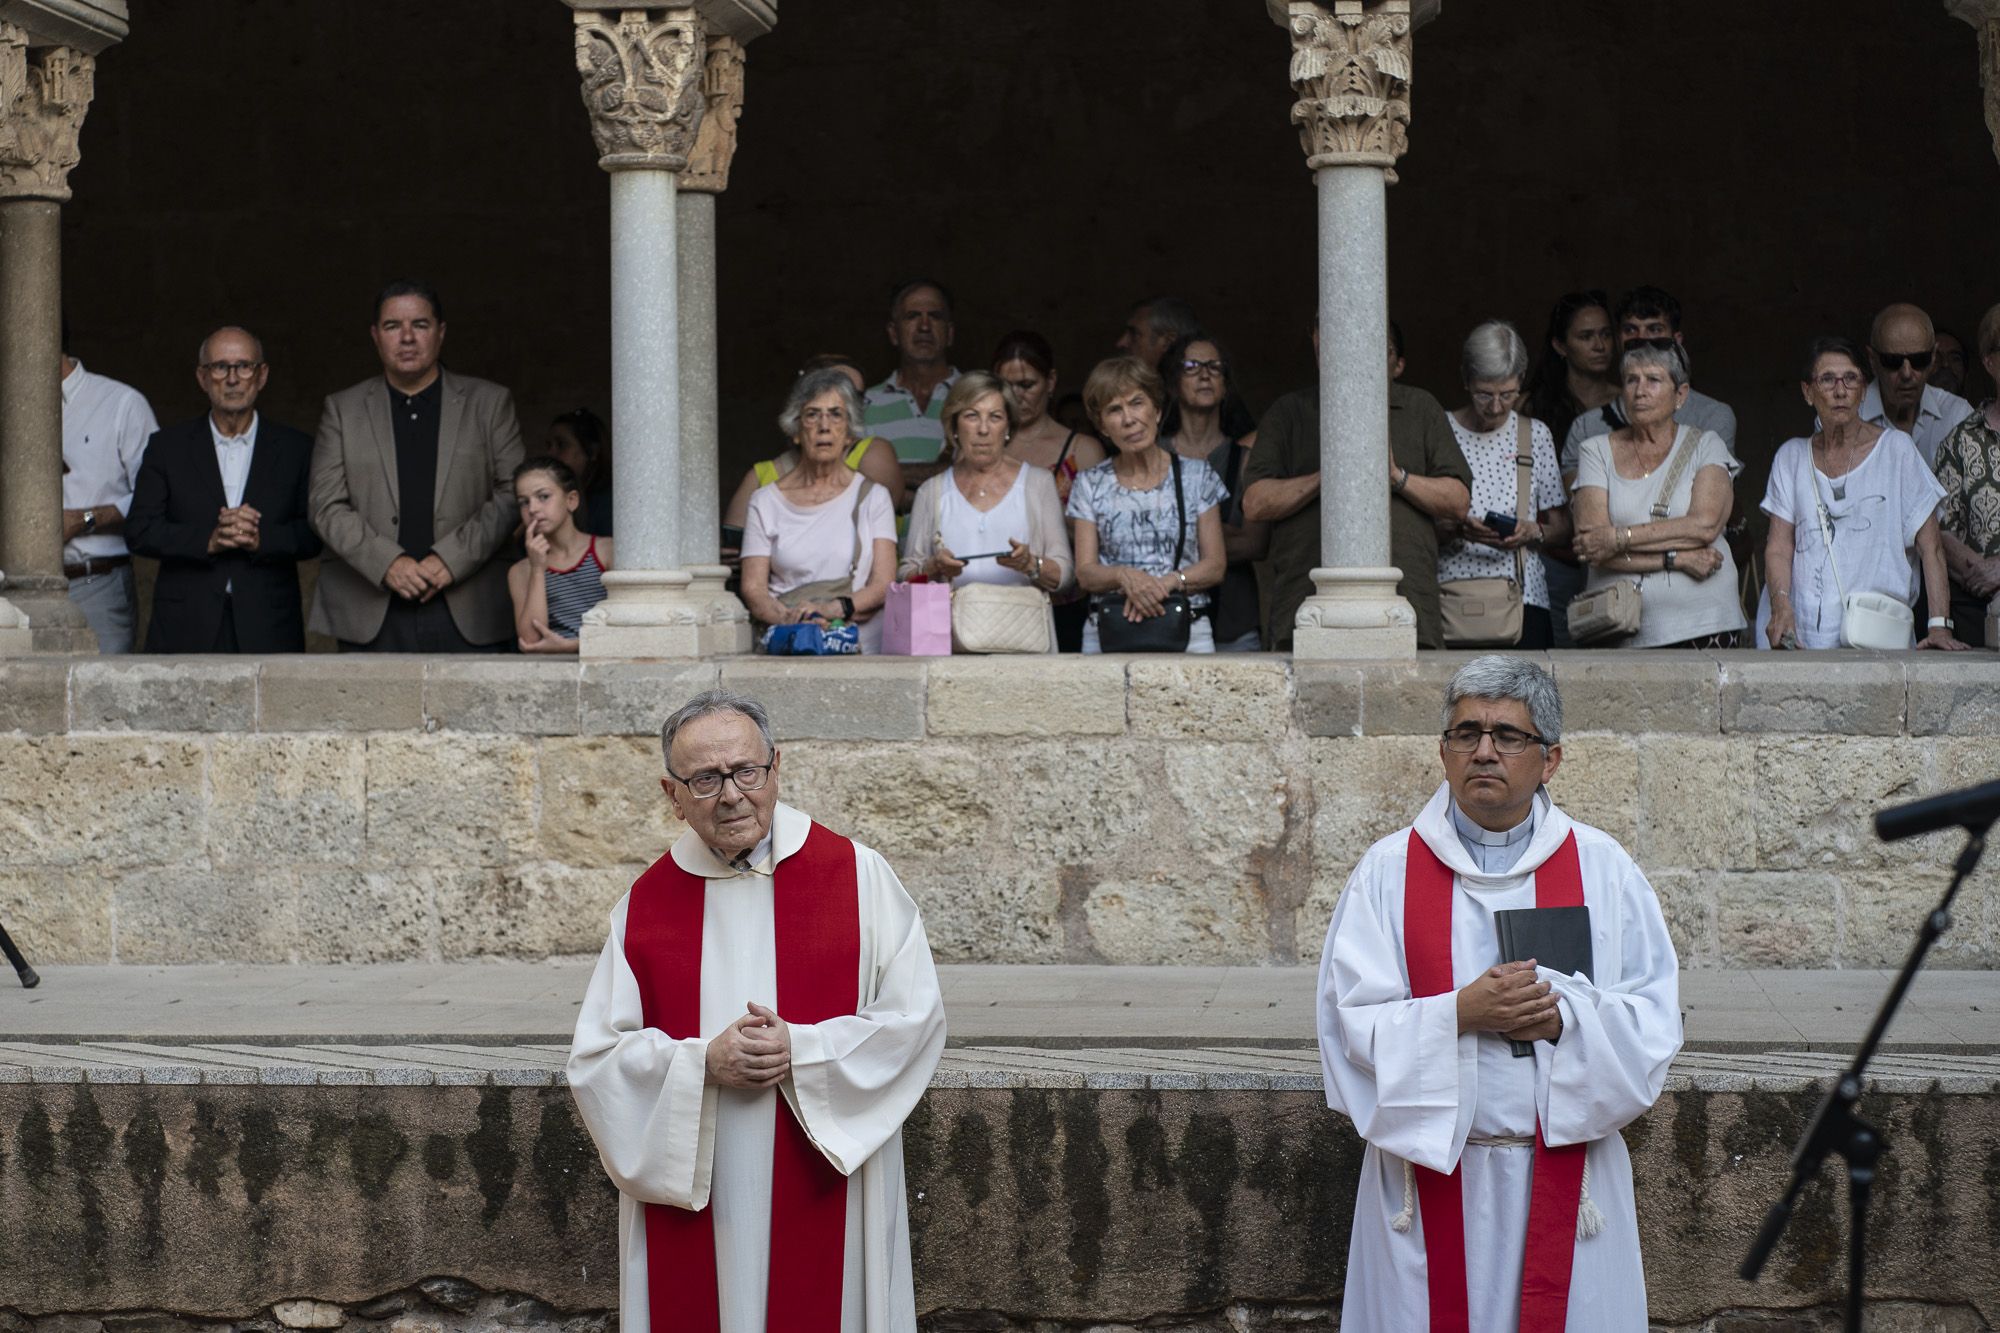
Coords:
pixel 412 492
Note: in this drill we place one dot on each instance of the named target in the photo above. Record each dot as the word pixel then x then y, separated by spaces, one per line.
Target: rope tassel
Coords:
pixel 1589 1220
pixel 1401 1221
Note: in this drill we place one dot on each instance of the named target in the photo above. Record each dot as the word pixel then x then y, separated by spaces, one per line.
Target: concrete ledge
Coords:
pixel 1087 1187
pixel 161 694
pixel 34 695
pixel 525 695
pixel 347 692
pixel 836 699
pixel 1841 693
pixel 1668 691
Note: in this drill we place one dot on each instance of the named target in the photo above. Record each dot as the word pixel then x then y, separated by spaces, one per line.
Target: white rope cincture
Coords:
pixel 1402 1220
pixel 1589 1218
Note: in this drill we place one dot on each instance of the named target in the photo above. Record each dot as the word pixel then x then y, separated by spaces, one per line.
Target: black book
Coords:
pixel 1557 938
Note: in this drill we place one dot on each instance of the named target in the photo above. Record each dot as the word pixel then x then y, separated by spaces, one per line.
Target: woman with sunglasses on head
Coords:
pixel 1854 513
pixel 1207 419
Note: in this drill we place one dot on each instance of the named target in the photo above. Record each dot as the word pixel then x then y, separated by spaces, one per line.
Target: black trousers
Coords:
pixel 225 633
pixel 420 627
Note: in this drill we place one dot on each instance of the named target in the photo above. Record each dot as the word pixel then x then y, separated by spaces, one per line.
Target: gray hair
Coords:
pixel 1673 360
pixel 1496 676
pixel 1494 351
pixel 810 386
pixel 712 702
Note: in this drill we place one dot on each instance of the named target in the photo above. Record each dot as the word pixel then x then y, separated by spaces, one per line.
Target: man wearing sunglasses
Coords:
pixel 1648 317
pixel 1493 1184
pixel 1902 352
pixel 763 1018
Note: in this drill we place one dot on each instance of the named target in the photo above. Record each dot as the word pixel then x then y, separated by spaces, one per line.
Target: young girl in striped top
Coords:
pixel 559 580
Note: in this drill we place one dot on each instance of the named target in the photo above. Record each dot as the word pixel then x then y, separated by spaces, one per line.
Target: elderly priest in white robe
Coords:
pixel 764 1017
pixel 1496 1193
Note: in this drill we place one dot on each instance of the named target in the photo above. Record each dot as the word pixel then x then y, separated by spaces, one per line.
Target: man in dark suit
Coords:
pixel 220 502
pixel 413 493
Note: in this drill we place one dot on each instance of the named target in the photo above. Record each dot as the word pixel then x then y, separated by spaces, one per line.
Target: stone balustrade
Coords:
pixel 1120 810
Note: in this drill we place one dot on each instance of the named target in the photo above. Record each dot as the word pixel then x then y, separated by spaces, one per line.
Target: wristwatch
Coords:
pixel 89 521
pixel 847 608
pixel 1398 485
pixel 1940 622
pixel 1669 558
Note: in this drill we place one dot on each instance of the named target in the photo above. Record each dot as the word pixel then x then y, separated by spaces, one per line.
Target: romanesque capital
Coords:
pixel 44 93
pixel 1351 70
pixel 642 84
pixel 1984 16
pixel 722 90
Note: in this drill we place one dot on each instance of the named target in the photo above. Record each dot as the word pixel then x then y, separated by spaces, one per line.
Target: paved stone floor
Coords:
pixel 1047 1007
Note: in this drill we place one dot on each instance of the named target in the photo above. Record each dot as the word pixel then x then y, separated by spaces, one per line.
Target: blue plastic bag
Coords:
pixel 813 638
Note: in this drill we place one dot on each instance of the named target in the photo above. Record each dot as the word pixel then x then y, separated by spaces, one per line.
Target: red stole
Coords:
pixel 1552 1203
pixel 818 929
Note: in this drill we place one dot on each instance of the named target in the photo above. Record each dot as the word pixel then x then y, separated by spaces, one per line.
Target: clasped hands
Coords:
pixel 417 580
pixel 236 529
pixel 754 1052
pixel 1509 1000
pixel 1145 594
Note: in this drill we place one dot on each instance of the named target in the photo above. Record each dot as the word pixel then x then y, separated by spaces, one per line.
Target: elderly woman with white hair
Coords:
pixel 1492 553
pixel 1651 501
pixel 820 543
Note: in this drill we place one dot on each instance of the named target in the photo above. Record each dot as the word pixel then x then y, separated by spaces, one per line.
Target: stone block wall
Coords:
pixel 1116 810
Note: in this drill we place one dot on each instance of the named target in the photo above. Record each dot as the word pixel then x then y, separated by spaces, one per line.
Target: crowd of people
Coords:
pixel 1583 494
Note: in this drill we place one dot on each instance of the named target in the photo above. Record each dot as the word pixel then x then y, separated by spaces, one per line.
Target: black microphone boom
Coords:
pixel 1974 808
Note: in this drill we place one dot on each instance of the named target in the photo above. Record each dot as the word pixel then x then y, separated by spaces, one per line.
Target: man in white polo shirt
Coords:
pixel 105 426
pixel 906 408
pixel 1902 351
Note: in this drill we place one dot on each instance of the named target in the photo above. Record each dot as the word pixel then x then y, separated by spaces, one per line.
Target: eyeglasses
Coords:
pixel 222 370
pixel 1893 361
pixel 1829 382
pixel 707 786
pixel 1495 398
pixel 1507 740
pixel 1215 368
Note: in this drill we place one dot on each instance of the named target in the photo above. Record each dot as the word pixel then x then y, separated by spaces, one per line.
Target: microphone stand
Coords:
pixel 29 980
pixel 1837 1129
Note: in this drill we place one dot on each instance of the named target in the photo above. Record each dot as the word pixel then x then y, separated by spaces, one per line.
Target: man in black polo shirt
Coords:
pixel 412 491
pixel 1429 479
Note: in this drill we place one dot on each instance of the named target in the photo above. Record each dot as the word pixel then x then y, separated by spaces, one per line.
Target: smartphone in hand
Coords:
pixel 1500 523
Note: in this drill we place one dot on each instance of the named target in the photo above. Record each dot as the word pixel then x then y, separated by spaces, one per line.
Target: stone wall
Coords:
pixel 1028 1203
pixel 1054 810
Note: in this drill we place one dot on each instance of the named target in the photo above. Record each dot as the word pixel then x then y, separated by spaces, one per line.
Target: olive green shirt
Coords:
pixel 1288 446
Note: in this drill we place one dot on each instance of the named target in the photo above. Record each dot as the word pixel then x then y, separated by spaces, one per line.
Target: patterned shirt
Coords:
pixel 1137 527
pixel 891 411
pixel 1968 466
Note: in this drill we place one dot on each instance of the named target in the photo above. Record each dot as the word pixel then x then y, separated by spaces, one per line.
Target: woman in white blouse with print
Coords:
pixel 1488 431
pixel 1868 489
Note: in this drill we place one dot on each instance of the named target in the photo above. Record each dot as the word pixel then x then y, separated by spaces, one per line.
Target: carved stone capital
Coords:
pixel 642 84
pixel 44 93
pixel 1984 16
pixel 1351 70
pixel 715 146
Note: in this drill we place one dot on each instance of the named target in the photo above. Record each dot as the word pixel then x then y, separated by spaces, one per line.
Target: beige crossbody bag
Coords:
pixel 1613 610
pixel 1486 613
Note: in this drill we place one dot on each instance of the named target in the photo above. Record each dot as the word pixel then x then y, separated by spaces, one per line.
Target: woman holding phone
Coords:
pixel 987 518
pixel 1484 543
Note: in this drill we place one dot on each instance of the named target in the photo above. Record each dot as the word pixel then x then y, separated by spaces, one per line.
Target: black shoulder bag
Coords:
pixel 1166 632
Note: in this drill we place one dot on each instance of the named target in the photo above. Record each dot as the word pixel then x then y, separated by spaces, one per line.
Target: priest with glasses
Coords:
pixel 1496 1193
pixel 763 1018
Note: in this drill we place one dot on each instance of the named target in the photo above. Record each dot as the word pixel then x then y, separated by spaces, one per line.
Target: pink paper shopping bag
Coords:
pixel 916 620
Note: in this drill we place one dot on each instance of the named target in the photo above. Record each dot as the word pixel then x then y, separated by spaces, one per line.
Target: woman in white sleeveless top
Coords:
pixel 987 518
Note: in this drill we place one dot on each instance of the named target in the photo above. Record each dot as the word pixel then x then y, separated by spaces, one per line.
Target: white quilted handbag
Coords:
pixel 1001 618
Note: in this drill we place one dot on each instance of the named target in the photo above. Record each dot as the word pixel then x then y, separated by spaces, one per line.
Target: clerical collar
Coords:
pixel 757 860
pixel 1486 837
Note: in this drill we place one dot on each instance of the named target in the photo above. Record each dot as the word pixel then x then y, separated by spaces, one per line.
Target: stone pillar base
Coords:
pixel 1355 613
pixel 37 617
pixel 661 613
pixel 727 627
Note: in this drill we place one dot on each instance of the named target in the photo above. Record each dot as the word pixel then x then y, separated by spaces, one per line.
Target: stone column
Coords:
pixel 44 92
pixel 642 73
pixel 728 626
pixel 1351 69
pixel 1984 15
